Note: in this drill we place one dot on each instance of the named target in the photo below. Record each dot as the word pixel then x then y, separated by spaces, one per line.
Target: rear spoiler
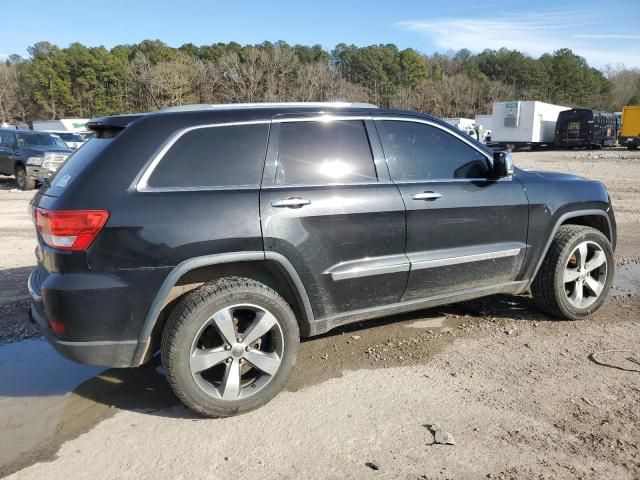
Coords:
pixel 109 127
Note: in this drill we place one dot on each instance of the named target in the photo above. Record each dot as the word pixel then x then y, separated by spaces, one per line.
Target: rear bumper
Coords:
pixel 107 352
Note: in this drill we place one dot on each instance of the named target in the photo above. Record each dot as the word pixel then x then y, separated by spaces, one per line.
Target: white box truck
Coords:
pixel 520 124
pixel 483 126
pixel 467 125
pixel 73 131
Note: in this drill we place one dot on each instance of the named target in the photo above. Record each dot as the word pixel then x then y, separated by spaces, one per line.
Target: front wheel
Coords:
pixel 23 180
pixel 229 346
pixel 576 274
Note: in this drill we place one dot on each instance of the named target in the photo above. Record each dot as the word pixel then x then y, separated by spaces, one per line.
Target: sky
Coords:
pixel 604 32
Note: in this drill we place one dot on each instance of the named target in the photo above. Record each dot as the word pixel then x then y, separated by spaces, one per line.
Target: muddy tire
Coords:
pixel 23 180
pixel 229 346
pixel 576 274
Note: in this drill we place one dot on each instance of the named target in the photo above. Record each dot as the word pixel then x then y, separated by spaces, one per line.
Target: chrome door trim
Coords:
pixel 422 261
pixel 364 267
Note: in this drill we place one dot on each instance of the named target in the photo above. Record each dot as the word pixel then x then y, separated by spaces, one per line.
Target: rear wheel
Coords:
pixel 23 180
pixel 229 346
pixel 576 274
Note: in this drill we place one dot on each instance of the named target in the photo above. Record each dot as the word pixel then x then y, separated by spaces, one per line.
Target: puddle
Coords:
pixel 35 382
pixel 46 399
pixel 627 280
pixel 438 322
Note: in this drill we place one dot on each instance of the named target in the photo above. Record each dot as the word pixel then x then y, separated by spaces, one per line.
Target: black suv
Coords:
pixel 31 156
pixel 220 234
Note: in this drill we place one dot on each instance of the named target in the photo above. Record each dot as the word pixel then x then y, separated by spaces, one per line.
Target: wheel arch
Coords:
pixel 597 219
pixel 270 268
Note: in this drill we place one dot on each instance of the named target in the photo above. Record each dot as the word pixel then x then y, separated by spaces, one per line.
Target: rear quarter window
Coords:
pixel 218 156
pixel 75 164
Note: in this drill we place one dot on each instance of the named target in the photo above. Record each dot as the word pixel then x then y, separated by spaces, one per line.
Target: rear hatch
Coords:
pixel 66 224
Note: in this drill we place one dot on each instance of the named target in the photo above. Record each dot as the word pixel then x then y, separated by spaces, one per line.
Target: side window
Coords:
pixel 214 157
pixel 416 151
pixel 324 152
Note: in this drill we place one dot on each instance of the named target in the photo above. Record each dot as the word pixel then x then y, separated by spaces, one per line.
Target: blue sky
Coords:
pixel 604 32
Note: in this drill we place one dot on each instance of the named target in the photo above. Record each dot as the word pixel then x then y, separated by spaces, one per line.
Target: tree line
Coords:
pixel 81 81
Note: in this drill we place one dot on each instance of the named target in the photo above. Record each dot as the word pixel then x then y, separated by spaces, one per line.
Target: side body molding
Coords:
pixel 144 339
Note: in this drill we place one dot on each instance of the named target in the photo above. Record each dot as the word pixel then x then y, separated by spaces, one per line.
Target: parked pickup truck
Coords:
pixel 31 156
pixel 218 235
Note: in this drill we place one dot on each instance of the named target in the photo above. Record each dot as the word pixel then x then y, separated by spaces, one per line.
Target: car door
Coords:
pixel 328 205
pixel 464 230
pixel 7 151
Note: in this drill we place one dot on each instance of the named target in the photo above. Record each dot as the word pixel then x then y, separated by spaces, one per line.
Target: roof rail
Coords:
pixel 233 106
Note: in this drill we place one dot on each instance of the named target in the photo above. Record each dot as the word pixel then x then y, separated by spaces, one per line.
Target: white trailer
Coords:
pixel 461 123
pixel 71 130
pixel 524 124
pixel 75 125
pixel 483 126
pixel 467 125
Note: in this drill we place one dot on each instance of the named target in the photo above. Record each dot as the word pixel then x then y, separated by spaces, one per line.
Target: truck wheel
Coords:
pixel 632 147
pixel 23 180
pixel 229 346
pixel 576 274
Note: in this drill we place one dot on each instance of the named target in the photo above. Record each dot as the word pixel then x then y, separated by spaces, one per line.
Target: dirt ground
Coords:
pixel 523 395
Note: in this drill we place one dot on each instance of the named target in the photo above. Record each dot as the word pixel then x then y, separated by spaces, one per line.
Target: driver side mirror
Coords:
pixel 502 164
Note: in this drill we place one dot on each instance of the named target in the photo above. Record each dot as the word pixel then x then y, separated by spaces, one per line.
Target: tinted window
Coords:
pixel 324 152
pixel 75 164
pixel 214 157
pixel 416 151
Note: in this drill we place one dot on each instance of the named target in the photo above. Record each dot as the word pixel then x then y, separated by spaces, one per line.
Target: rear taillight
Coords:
pixel 70 229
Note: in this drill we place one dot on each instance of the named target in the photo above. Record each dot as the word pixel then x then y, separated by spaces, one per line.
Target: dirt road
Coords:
pixel 523 395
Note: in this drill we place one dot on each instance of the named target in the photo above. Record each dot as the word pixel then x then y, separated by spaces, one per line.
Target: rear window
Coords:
pixel 70 137
pixel 75 164
pixel 40 140
pixel 223 156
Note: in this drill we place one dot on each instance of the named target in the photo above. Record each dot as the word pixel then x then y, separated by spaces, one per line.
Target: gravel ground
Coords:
pixel 523 395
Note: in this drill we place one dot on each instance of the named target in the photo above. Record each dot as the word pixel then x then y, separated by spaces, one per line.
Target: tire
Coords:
pixel 195 329
pixel 632 147
pixel 563 262
pixel 23 180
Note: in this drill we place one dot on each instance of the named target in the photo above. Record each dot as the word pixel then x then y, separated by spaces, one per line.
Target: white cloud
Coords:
pixel 532 33
pixel 609 36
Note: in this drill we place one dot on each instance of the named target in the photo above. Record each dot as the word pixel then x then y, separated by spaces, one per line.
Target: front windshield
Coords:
pixel 40 140
pixel 70 137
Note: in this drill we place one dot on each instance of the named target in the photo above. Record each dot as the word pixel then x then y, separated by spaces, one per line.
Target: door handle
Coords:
pixel 291 202
pixel 426 196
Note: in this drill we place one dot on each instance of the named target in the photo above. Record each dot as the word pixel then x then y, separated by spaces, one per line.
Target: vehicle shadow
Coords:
pixel 520 307
pixel 146 390
pixel 7 183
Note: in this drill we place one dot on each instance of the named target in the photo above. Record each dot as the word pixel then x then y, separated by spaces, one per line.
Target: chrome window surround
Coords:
pixel 142 184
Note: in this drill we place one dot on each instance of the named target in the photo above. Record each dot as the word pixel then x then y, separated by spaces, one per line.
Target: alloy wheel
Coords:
pixel 585 274
pixel 236 352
